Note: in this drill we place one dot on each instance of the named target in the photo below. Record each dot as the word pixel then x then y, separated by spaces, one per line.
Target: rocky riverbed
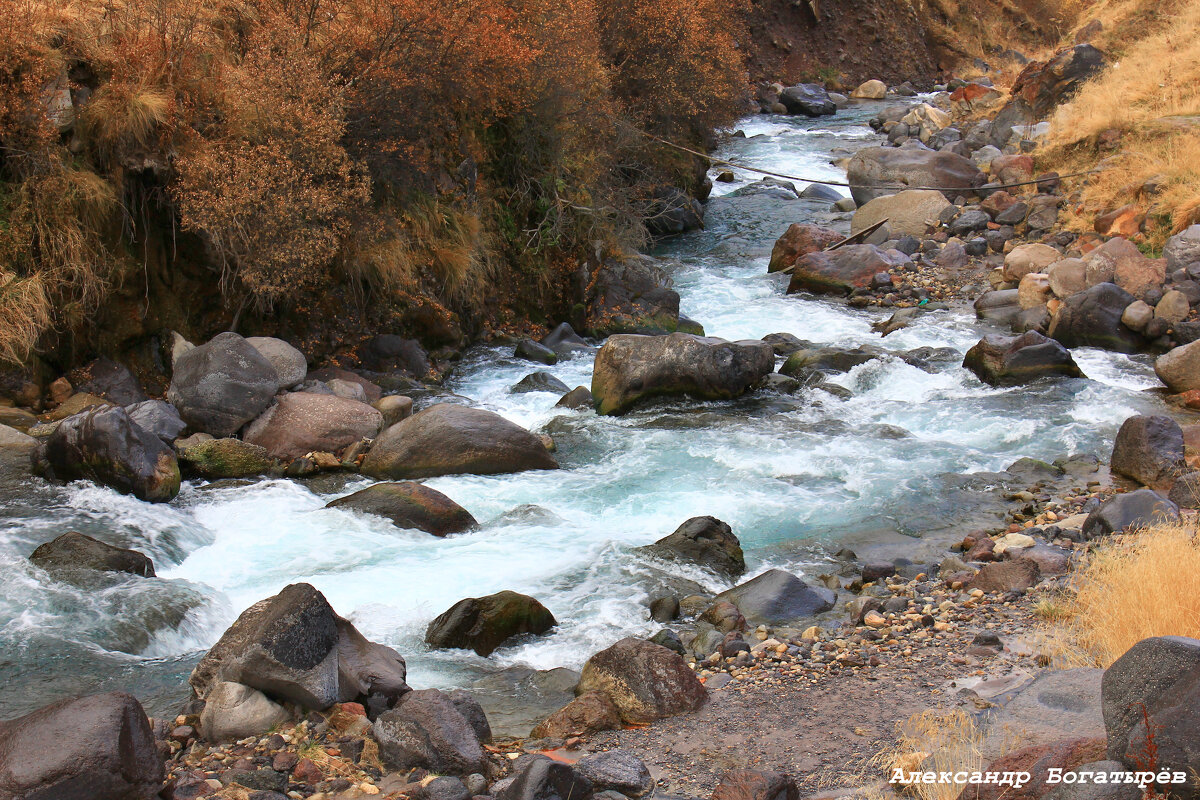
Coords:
pixel 876 485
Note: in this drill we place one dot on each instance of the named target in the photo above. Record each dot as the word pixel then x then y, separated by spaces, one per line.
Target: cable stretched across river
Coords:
pixel 734 164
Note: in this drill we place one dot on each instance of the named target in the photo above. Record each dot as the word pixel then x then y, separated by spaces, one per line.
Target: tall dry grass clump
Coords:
pixel 934 741
pixel 1136 586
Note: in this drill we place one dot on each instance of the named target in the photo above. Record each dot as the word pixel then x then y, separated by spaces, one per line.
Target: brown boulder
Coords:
pixel 306 422
pixel 1036 760
pixel 410 505
pixel 1006 576
pixel 797 241
pixel 591 712
pixel 644 681
pixel 752 784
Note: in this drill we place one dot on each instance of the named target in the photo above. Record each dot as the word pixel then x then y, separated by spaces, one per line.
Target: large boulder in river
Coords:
pixel 878 171
pixel 449 439
pixel 633 295
pixel 778 598
pixel 843 270
pixel 799 240
pixel 1130 511
pixel 75 550
pixel 1009 360
pixel 809 99
pixel 410 505
pixel 220 386
pixel 105 446
pixel 629 369
pixel 706 541
pixel 98 747
pixel 305 422
pixel 290 364
pixel 644 681
pixel 1155 681
pixel 1150 450
pixel 1092 318
pixel 484 623
pixel 1179 368
pixel 429 730
pixel 216 459
pixel 908 213
pixel 294 647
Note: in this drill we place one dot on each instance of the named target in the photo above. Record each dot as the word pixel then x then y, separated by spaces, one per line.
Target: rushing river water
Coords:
pixel 796 477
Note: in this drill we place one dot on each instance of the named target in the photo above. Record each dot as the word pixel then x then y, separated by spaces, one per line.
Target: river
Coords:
pixel 796 478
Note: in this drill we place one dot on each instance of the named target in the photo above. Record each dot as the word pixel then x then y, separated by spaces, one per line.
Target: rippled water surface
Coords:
pixel 792 476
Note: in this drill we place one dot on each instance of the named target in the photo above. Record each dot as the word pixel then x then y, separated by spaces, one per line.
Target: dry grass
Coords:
pixel 1140 585
pixel 935 741
pixel 1150 94
pixel 122 117
pixel 25 312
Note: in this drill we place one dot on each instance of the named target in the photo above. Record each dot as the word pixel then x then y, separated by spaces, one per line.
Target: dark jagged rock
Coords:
pixel 448 439
pixel 427 730
pixel 541 778
pixel 110 380
pixel 104 445
pixel 1150 450
pixel 706 541
pixel 1092 318
pixel 410 505
pixel 158 417
pixel 633 368
pixel 1009 360
pixel 74 550
pixel 484 623
pixel 578 399
pixel 1042 86
pixel 540 382
pixel 529 350
pixel 809 99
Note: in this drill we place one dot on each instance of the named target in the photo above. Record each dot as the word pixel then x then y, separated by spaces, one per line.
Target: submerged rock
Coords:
pixel 104 445
pixel 410 505
pixel 448 439
pixel 540 382
pixel 483 624
pixel 630 369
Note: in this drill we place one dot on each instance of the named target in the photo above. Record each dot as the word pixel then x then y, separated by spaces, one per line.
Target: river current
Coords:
pixel 796 478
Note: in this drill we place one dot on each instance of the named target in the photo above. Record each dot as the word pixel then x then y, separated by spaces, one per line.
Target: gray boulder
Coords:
pixel 565 342
pixel 449 439
pixel 294 647
pixel 1183 249
pixel 878 171
pixel 643 680
pixel 158 417
pixel 630 369
pixel 305 422
pixel 706 541
pixel 1092 318
pixel 616 770
pixel 1130 511
pixel 483 624
pixel 98 747
pixel 74 550
pixel 426 729
pixel 540 382
pixel 290 364
pixel 809 99
pixel 1149 449
pixel 233 711
pixel 1185 492
pixel 778 598
pixel 1154 675
pixel 220 386
pixel 541 778
pixel 1009 360
pixel 104 445
pixel 529 350
pixel 410 505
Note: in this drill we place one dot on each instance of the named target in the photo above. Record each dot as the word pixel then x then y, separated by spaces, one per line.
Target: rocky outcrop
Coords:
pixel 74 550
pixel 304 422
pixel 843 270
pixel 448 439
pixel 643 680
pixel 216 459
pixel 428 730
pixel 1150 450
pixel 89 748
pixel 1042 86
pixel 1092 318
pixel 706 541
pixel 879 171
pixel 220 386
pixel 778 598
pixel 410 505
pixel 104 445
pixel 484 623
pixel 630 369
pixel 631 296
pixel 797 241
pixel 1010 360
pixel 294 647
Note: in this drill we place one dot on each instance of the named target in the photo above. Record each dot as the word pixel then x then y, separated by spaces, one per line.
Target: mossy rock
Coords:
pixel 226 458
